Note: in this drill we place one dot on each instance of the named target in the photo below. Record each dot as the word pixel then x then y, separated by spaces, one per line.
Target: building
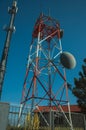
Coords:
pixel 58 119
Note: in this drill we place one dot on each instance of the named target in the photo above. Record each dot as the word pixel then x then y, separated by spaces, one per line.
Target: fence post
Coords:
pixel 51 119
pixel 84 121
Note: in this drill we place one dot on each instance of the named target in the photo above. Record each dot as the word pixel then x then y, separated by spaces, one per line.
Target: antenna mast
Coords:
pixel 9 30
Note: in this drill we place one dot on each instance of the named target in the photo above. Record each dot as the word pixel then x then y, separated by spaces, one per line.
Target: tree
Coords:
pixel 80 88
pixel 36 121
pixel 32 124
pixel 27 122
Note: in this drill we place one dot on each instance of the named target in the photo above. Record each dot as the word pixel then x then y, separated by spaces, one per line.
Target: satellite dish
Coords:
pixel 67 60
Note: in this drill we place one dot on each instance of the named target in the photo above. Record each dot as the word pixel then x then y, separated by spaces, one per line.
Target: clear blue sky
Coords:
pixel 72 17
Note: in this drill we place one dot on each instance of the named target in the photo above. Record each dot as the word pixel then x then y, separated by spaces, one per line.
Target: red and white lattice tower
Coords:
pixel 45 81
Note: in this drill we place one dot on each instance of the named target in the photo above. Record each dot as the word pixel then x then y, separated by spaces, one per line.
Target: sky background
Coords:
pixel 72 17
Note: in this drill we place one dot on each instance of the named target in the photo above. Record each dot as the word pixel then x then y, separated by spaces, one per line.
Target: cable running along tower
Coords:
pixel 45 81
pixel 9 31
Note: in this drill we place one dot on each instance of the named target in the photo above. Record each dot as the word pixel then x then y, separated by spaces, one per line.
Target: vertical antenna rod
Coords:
pixel 9 31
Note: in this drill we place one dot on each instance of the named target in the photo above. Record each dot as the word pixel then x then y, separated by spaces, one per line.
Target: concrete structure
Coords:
pixel 4 112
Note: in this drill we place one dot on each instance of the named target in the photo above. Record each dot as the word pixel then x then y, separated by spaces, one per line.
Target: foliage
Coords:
pixel 36 121
pixel 32 123
pixel 28 122
pixel 80 88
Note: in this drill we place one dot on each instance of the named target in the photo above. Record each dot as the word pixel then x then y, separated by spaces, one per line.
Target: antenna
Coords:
pixel 12 11
pixel 49 12
pixel 41 7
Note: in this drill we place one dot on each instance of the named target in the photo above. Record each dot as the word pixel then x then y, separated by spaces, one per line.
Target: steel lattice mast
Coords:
pixel 45 80
pixel 9 30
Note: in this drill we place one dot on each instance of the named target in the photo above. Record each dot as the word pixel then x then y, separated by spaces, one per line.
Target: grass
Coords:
pixel 44 128
pixel 66 128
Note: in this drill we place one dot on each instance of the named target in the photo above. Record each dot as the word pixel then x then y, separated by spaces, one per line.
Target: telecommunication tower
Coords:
pixel 45 81
pixel 9 31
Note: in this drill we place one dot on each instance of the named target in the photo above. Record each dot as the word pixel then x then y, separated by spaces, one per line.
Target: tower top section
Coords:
pixel 47 26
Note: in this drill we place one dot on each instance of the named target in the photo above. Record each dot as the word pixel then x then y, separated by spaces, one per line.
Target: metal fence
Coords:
pixel 78 120
pixel 14 116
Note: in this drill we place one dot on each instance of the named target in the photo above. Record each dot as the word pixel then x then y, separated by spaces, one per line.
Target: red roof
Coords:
pixel 73 108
